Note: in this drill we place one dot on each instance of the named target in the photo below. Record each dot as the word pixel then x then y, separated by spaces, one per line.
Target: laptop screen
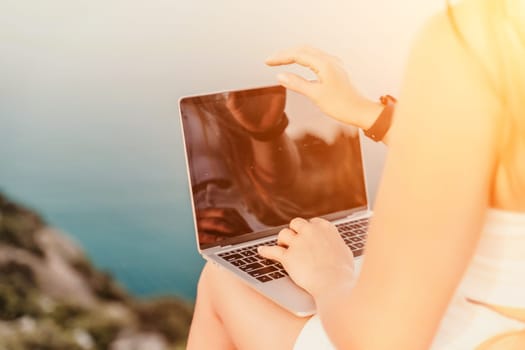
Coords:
pixel 258 158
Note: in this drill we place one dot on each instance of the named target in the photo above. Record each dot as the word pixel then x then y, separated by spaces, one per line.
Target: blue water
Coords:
pixel 90 137
pixel 113 180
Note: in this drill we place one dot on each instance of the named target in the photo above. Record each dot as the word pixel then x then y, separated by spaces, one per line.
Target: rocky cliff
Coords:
pixel 52 298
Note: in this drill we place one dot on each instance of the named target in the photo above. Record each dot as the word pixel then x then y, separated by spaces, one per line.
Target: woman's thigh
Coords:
pixel 251 320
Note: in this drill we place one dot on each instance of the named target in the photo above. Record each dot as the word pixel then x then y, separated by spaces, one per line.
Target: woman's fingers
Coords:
pixel 320 222
pixel 285 237
pixel 305 56
pixel 272 252
pixel 298 224
pixel 298 84
pixel 333 91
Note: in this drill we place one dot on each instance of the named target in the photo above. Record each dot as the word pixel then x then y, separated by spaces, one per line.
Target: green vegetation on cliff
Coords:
pixel 53 298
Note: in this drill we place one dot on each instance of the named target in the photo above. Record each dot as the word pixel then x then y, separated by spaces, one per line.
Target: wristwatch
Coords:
pixel 380 127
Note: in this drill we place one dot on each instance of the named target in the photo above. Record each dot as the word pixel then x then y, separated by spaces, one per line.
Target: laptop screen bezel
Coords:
pixel 273 230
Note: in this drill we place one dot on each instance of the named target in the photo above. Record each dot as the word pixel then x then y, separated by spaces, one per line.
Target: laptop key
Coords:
pixel 248 253
pixel 251 267
pixel 268 262
pixel 262 271
pixel 264 278
pixel 251 259
pixel 238 262
pixel 276 275
pixel 232 257
pixel 357 252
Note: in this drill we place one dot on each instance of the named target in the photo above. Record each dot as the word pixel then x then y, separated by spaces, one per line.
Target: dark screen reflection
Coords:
pixel 249 172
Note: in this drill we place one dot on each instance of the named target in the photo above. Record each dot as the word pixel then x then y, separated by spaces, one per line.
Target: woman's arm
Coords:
pixel 430 208
pixel 431 202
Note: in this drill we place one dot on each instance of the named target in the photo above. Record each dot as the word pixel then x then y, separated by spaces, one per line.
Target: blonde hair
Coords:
pixel 506 40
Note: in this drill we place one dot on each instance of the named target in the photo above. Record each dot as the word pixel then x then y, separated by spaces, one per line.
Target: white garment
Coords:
pixel 496 275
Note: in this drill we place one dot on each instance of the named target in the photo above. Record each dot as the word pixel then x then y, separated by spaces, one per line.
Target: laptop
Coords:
pixel 257 158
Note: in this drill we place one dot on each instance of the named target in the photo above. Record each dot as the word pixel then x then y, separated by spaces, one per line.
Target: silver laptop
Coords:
pixel 257 158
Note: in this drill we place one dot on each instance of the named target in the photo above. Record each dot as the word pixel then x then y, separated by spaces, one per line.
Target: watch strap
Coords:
pixel 383 122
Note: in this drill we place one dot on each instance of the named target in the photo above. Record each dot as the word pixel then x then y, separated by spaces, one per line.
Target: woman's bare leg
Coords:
pixel 230 315
pixel 207 330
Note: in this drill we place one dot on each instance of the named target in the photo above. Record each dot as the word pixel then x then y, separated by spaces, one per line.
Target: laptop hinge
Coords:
pixel 251 236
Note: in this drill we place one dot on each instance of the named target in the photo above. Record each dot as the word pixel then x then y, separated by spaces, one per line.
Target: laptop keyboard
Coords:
pixel 264 270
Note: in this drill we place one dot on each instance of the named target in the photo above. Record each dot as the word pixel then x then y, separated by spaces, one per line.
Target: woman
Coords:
pixel 445 265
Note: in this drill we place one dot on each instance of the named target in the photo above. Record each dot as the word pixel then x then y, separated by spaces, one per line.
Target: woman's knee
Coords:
pixel 213 279
pixel 205 279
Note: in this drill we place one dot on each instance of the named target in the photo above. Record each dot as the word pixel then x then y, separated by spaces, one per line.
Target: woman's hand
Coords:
pixel 333 92
pixel 314 255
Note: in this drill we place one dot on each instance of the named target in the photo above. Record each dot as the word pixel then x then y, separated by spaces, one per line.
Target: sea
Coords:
pixel 114 180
